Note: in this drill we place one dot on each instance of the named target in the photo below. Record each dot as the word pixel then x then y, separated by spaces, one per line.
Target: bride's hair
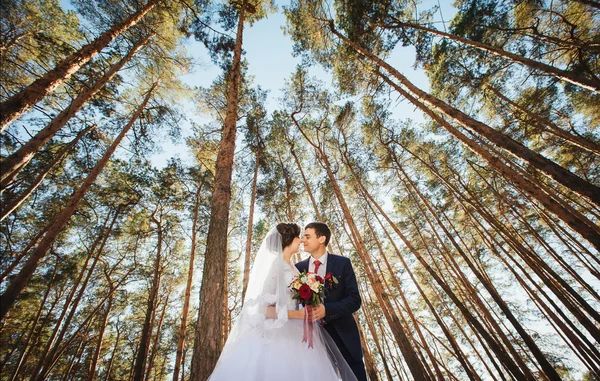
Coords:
pixel 288 233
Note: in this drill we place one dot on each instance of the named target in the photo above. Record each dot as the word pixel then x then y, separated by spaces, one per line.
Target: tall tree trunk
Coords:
pixel 248 253
pixel 571 77
pixel 207 341
pixel 15 106
pixel 571 217
pixel 376 339
pixel 14 202
pixel 18 160
pixel 188 287
pixel 142 353
pixel 19 282
pixel 407 307
pixel 426 102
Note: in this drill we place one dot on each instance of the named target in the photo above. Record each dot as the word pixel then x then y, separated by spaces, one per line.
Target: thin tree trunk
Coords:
pixel 306 185
pixel 369 362
pixel 18 160
pixel 427 101
pixel 571 77
pixel 13 203
pixel 38 316
pixel 288 188
pixel 492 246
pixel 156 342
pixel 96 356
pixel 188 287
pixel 250 226
pixel 207 341
pixel 113 353
pixel 84 326
pixel 407 307
pixel 375 336
pixel 146 334
pixel 15 106
pixel 10 295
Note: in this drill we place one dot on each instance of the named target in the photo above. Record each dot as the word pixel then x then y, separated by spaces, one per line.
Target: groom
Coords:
pixel 341 301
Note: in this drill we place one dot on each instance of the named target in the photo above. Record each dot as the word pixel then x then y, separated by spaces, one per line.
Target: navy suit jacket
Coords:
pixel 341 302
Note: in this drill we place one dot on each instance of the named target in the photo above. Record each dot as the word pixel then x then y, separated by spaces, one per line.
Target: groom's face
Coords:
pixel 310 240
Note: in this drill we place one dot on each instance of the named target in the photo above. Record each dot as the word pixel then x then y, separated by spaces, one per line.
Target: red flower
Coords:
pixel 328 275
pixel 305 292
pixel 320 279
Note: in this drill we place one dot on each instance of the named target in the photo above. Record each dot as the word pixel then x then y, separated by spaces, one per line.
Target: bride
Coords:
pixel 266 342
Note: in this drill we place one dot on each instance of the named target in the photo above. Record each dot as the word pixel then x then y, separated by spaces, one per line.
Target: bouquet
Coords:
pixel 309 288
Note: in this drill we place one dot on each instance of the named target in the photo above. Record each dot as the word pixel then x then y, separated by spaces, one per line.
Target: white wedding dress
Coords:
pixel 261 349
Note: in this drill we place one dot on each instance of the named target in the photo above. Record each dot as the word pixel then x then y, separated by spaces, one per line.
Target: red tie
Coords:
pixel 317 264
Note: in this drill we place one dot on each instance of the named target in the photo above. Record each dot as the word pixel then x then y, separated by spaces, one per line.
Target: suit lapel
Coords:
pixel 330 260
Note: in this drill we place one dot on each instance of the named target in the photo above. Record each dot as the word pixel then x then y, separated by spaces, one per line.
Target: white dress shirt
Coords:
pixel 322 268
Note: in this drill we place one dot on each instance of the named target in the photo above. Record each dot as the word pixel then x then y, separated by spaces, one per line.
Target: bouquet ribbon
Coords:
pixel 308 326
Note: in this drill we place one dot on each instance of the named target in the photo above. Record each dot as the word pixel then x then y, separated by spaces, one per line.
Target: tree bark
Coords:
pixel 113 353
pixel 27 346
pixel 15 106
pixel 18 160
pixel 10 295
pixel 207 341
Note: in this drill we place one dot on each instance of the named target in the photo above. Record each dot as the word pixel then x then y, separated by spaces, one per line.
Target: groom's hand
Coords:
pixel 319 312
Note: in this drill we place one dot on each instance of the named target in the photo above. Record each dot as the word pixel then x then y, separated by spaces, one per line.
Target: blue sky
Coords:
pixel 270 61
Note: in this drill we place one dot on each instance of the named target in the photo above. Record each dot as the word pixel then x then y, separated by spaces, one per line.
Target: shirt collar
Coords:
pixel 323 259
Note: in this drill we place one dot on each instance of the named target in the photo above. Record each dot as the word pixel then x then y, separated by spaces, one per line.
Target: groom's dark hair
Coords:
pixel 321 229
